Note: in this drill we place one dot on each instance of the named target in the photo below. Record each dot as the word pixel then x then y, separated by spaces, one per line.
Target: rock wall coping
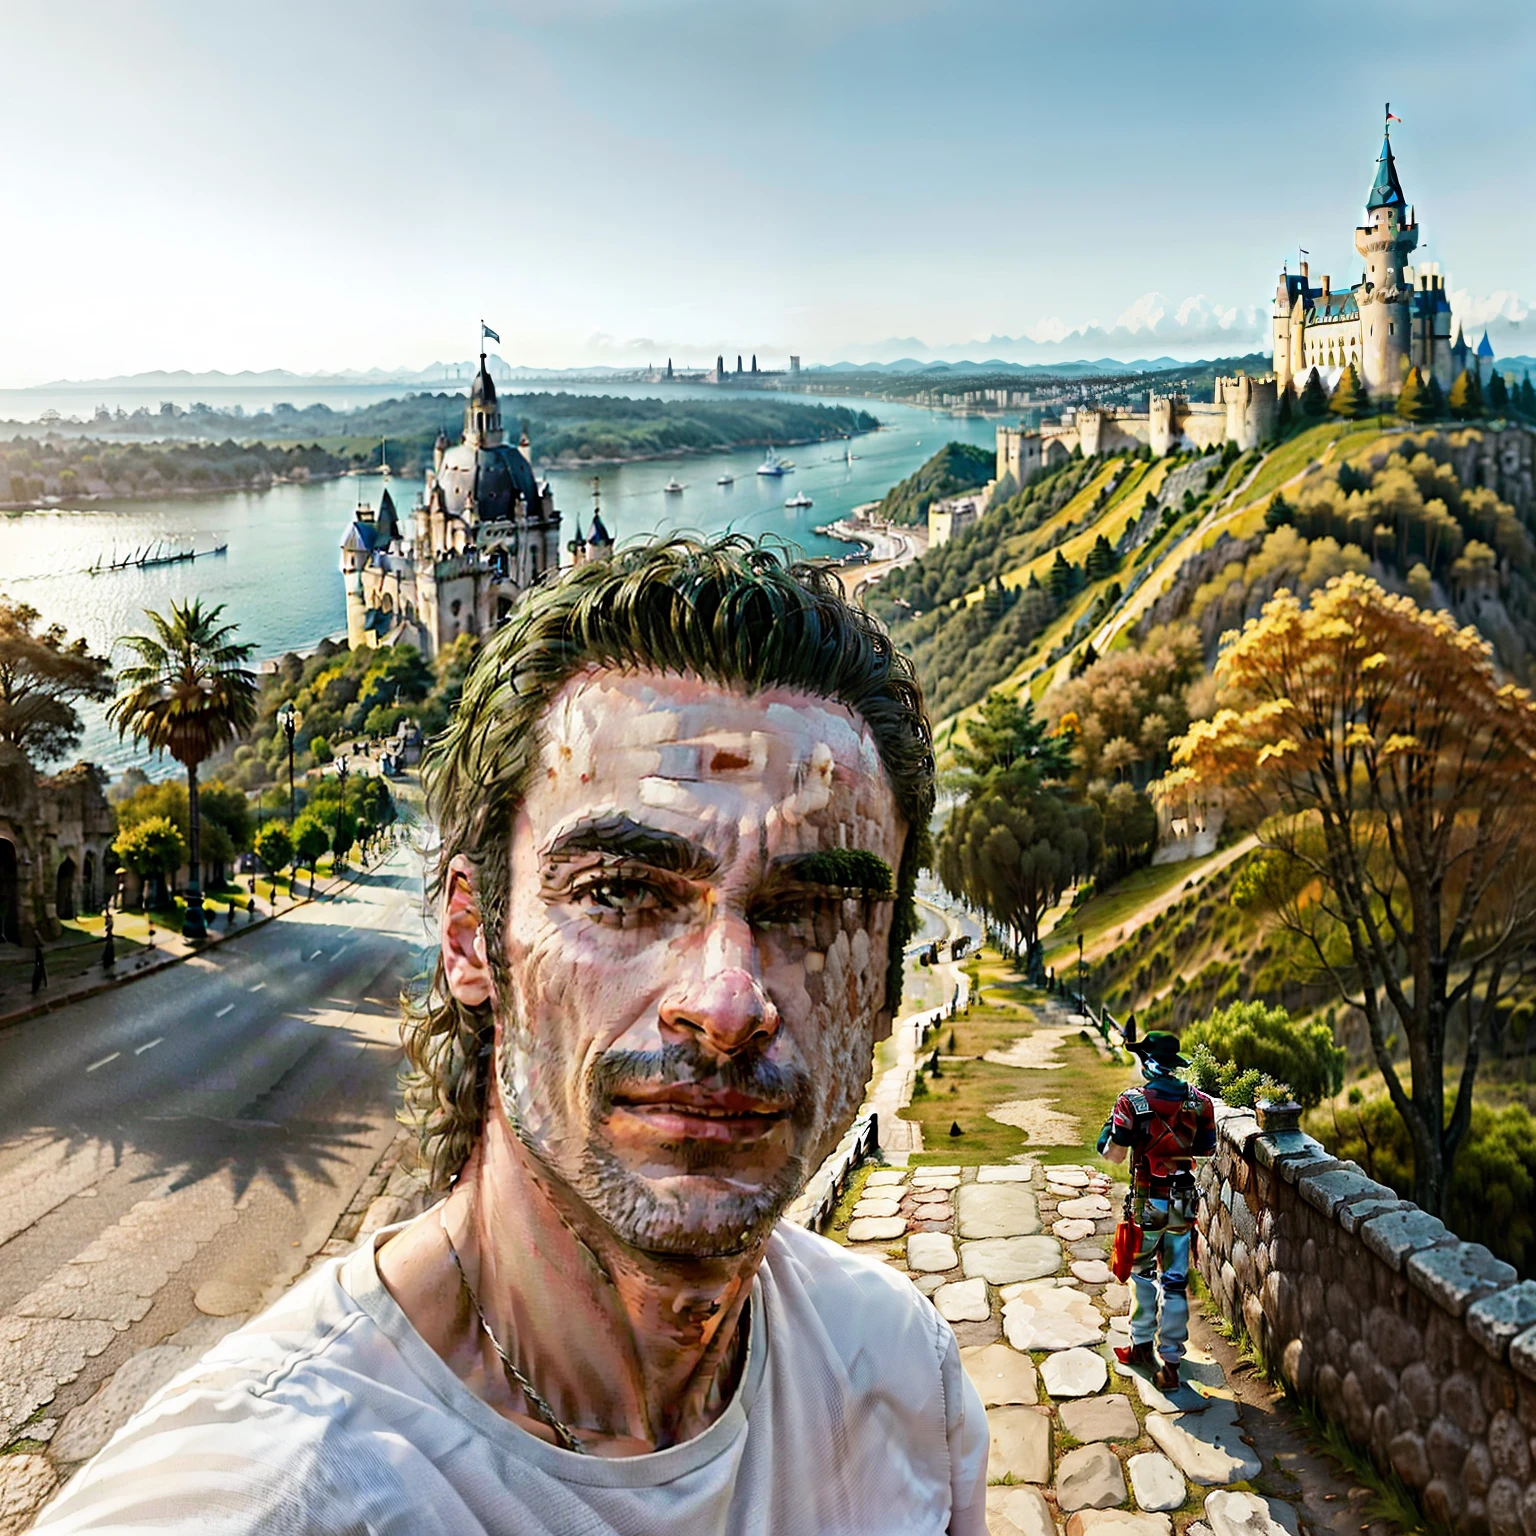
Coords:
pixel 1422 1347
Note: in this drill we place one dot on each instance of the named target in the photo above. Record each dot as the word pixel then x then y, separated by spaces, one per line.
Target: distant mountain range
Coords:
pixel 457 375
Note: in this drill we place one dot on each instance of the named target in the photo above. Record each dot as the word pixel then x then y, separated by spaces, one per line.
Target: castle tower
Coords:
pixel 482 416
pixel 1385 240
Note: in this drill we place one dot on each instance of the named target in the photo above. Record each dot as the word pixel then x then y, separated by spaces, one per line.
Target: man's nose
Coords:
pixel 720 997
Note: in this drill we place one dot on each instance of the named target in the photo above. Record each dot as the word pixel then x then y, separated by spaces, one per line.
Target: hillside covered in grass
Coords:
pixel 1097 601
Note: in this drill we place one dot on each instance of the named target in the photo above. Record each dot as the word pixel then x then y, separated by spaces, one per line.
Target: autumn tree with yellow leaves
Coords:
pixel 1393 777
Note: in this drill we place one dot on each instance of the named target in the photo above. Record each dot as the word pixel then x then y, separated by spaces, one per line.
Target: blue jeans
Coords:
pixel 1162 1265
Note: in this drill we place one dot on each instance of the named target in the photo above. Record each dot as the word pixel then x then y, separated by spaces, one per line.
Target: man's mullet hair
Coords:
pixel 733 611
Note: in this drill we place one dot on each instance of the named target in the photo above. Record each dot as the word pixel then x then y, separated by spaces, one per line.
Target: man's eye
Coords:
pixel 621 897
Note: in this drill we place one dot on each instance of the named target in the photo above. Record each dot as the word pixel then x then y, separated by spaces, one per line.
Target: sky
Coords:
pixel 330 185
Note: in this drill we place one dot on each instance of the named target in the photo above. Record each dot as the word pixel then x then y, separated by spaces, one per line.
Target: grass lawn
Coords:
pixel 1097 916
pixel 1003 1009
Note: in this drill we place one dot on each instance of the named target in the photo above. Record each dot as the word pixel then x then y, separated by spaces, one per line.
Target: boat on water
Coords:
pixel 726 480
pixel 673 487
pixel 772 464
pixel 800 500
pixel 149 555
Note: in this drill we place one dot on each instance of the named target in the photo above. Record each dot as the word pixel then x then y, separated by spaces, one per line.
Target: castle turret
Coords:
pixel 482 416
pixel 1385 240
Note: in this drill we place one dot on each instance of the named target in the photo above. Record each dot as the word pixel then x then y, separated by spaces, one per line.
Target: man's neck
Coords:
pixel 631 1351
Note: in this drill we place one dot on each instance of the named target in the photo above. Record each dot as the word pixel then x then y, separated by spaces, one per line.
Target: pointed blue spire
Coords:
pixel 1386 190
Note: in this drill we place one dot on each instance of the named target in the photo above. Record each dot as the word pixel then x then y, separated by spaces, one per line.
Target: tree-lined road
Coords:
pixel 174 1151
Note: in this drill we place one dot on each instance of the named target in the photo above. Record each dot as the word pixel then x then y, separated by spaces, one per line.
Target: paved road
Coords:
pixel 172 1153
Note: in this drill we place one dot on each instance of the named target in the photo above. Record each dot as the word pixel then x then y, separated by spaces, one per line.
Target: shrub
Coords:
pixel 1250 1036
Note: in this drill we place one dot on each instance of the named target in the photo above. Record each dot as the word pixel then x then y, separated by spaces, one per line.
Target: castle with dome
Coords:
pixel 482 532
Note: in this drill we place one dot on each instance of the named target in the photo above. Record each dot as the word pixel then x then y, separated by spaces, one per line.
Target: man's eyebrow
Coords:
pixel 849 869
pixel 622 837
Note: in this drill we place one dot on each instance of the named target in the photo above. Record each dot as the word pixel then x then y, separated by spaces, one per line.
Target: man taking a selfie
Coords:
pixel 682 807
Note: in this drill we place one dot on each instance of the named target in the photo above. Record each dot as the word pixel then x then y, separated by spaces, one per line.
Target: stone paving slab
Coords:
pixel 1205 1448
pixel 1051 1317
pixel 1015 1511
pixel 1005 1173
pixel 1021 1445
pixel 884 1178
pixel 1156 1482
pixel 1002 1260
pixel 876 1208
pixel 1101 1418
pixel 876 1229
pixel 1084 1208
pixel 963 1301
pixel 1232 1512
pixel 1118 1522
pixel 1089 1478
pixel 929 1251
pixel 1072 1230
pixel 1001 1375
pixel 997 1210
pixel 1075 1373
pixel 1092 1271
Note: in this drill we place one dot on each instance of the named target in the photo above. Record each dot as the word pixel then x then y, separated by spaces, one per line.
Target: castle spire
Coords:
pixel 1386 190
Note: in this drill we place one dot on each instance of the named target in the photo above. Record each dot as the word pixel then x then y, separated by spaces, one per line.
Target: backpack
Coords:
pixel 1170 1133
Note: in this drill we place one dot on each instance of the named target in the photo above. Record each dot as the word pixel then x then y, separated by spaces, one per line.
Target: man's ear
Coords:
pixel 466 959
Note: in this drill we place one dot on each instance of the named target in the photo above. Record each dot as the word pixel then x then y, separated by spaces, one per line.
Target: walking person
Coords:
pixel 39 967
pixel 109 948
pixel 1162 1126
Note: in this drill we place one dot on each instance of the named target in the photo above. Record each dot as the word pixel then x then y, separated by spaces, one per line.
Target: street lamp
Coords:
pixel 288 721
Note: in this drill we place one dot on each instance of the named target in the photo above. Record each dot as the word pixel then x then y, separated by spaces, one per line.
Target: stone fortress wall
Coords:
pixel 1420 1346
pixel 1243 410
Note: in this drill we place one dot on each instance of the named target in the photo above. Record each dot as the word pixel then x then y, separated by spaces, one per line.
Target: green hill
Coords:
pixel 956 467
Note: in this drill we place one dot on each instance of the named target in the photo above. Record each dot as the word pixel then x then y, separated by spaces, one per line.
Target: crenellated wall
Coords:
pixel 1420 1346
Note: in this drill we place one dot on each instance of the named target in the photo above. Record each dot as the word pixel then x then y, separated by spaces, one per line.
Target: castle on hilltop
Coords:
pixel 1395 318
pixel 482 531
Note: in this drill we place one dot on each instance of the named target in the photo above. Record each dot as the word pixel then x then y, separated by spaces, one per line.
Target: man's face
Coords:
pixel 693 1001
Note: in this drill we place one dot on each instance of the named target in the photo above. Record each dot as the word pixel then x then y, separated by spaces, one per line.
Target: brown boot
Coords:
pixel 1137 1354
pixel 1167 1378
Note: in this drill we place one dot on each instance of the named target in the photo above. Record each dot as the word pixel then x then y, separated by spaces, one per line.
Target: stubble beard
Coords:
pixel 680 1215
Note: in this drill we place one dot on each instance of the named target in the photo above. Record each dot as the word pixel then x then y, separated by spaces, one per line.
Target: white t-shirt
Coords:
pixel 330 1414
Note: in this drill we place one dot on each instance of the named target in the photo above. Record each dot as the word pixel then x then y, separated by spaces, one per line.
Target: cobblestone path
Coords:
pixel 1014 1256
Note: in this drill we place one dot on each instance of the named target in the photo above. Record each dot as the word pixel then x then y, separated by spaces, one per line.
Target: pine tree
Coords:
pixel 1278 513
pixel 1466 400
pixel 1498 394
pixel 1436 397
pixel 1101 559
pixel 1349 397
pixel 1287 407
pixel 1062 579
pixel 1413 404
pixel 1314 398
pixel 1527 394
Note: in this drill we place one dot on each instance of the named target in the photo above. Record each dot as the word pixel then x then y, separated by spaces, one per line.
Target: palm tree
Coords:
pixel 188 694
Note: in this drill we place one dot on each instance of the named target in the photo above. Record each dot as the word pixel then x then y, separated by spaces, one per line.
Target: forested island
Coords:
pixel 203 450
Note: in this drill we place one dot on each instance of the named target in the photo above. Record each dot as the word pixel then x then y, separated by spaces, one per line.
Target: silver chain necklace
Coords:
pixel 566 1435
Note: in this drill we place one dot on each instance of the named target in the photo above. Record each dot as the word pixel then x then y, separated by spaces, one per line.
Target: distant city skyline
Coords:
pixel 611 182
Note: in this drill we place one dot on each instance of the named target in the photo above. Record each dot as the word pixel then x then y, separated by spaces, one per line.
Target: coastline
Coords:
pixel 565 464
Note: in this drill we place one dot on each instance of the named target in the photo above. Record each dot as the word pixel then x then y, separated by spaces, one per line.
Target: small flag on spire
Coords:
pixel 1392 117
pixel 487 332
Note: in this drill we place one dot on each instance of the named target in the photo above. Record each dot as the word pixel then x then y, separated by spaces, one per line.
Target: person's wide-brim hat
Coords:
pixel 1162 1047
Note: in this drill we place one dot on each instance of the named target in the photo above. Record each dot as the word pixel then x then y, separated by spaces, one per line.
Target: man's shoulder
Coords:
pixel 859 1302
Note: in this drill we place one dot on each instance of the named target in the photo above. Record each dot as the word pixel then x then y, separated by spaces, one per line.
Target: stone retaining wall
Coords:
pixel 1420 1346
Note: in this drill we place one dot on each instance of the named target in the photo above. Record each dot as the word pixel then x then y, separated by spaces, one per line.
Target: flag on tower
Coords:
pixel 487 332
pixel 1392 117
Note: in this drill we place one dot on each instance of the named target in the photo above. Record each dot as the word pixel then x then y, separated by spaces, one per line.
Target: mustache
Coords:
pixel 783 1085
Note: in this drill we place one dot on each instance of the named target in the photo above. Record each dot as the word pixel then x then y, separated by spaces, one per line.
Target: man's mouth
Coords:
pixel 689 1111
